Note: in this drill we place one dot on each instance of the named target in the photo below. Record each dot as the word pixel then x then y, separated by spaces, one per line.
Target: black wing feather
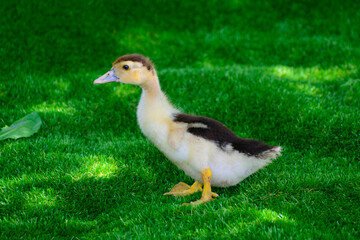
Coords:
pixel 221 135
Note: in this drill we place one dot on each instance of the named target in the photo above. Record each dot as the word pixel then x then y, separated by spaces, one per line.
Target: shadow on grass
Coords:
pixel 89 35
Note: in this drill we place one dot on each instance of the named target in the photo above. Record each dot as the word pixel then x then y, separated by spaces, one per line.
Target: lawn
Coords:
pixel 285 72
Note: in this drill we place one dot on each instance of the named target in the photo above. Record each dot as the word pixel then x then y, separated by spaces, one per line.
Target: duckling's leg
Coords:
pixel 206 194
pixel 182 189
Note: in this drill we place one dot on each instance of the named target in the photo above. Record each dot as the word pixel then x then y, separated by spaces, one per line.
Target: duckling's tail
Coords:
pixel 272 153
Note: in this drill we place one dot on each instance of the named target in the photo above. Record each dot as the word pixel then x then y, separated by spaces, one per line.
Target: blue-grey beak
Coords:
pixel 107 77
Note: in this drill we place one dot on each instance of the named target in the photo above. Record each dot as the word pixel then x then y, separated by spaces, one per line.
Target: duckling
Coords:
pixel 205 149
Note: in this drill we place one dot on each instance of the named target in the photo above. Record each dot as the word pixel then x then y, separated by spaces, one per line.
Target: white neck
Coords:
pixel 154 109
pixel 151 87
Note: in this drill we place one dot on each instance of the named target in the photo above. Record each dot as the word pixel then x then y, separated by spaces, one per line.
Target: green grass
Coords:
pixel 286 72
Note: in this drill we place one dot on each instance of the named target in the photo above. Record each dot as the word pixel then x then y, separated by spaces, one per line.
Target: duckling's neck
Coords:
pixel 154 108
pixel 152 88
pixel 153 99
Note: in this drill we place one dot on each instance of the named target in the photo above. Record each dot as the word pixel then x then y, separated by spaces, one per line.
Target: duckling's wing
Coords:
pixel 217 132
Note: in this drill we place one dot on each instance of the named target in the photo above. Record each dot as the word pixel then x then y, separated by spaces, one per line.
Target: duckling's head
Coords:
pixel 131 69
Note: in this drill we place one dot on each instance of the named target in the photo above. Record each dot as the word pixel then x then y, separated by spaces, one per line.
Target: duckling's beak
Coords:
pixel 107 77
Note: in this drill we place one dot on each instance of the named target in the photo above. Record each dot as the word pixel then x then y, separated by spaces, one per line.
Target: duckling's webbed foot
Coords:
pixel 182 189
pixel 207 195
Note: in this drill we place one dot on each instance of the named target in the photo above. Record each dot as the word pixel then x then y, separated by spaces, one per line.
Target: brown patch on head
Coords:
pixel 136 58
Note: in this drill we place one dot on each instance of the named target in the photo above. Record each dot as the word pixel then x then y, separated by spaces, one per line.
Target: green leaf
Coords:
pixel 24 127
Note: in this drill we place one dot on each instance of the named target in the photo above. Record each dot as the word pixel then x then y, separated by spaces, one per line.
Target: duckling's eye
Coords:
pixel 126 67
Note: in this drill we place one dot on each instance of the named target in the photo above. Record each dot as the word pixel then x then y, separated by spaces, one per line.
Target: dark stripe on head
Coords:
pixel 222 136
pixel 136 58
